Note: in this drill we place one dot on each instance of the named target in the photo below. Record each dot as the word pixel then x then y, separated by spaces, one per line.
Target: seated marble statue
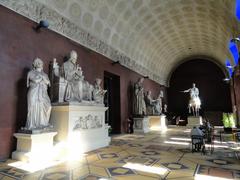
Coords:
pixel 69 86
pixel 98 92
pixel 73 74
pixel 39 105
pixel 139 105
pixel 150 103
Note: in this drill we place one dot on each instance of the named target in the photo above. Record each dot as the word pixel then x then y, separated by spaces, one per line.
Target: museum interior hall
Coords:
pixel 119 89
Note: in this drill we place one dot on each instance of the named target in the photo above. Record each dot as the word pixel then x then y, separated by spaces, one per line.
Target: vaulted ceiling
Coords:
pixel 156 34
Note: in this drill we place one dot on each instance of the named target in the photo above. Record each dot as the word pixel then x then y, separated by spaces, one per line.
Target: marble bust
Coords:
pixel 39 105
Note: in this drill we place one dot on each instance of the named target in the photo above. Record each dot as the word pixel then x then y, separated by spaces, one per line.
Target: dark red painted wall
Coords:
pixel 19 45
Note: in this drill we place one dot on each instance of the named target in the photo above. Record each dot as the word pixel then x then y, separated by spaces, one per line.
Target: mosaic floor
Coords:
pixel 154 155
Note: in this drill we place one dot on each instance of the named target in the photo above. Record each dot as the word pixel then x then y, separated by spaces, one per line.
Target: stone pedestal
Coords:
pixel 158 122
pixel 80 128
pixel 141 125
pixel 194 121
pixel 34 147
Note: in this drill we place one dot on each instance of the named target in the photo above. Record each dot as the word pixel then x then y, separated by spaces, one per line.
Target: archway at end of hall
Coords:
pixel 215 93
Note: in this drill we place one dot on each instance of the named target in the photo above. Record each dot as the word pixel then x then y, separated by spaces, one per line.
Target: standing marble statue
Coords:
pixel 139 106
pixel 73 74
pixel 158 104
pixel 39 105
pixel 98 92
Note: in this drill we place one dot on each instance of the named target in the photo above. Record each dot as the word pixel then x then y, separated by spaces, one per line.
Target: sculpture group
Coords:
pixel 143 103
pixel 68 85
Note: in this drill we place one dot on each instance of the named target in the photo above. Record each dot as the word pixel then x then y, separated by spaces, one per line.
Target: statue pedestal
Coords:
pixel 158 122
pixel 80 128
pixel 194 121
pixel 141 125
pixel 34 147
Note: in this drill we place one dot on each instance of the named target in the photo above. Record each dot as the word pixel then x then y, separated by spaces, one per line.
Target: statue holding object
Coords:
pixel 139 106
pixel 69 84
pixel 39 105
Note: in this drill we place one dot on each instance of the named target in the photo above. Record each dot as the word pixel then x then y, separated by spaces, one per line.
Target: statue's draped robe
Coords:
pixel 74 88
pixel 194 97
pixel 39 105
pixel 150 103
pixel 158 106
pixel 139 106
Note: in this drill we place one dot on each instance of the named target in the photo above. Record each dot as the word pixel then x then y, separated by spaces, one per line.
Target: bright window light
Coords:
pixel 238 9
pixel 234 51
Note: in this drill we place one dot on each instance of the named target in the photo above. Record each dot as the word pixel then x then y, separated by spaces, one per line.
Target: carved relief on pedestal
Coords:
pixel 88 122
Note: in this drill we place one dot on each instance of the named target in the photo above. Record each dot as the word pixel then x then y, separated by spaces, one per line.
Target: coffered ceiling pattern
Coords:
pixel 156 34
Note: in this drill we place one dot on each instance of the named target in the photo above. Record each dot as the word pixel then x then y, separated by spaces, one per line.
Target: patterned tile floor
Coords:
pixel 154 155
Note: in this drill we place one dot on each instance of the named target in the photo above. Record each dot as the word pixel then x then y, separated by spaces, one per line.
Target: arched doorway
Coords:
pixel 214 92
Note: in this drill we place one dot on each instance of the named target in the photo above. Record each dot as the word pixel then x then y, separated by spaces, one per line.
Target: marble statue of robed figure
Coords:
pixel 69 84
pixel 39 105
pixel 139 106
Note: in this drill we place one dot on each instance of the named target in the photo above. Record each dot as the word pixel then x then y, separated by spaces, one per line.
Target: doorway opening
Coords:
pixel 112 101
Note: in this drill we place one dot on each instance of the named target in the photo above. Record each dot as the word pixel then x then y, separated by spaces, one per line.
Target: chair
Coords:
pixel 209 139
pixel 197 143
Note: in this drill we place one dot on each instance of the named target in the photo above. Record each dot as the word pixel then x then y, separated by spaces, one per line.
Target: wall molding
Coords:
pixel 61 25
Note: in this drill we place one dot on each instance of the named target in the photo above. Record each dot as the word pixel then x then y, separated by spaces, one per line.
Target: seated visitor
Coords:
pixel 197 138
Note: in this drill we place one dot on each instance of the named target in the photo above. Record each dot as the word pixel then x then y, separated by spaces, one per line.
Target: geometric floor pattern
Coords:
pixel 155 155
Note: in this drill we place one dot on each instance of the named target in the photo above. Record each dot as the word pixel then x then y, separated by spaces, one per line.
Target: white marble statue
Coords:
pixel 39 105
pixel 98 92
pixel 194 102
pixel 158 104
pixel 139 106
pixel 73 74
pixel 150 103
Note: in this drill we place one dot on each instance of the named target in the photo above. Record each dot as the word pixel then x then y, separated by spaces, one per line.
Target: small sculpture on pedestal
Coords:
pixel 139 106
pixel 98 92
pixel 39 105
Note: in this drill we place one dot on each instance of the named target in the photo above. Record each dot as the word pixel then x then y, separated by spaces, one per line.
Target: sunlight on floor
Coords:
pixel 177 143
pixel 180 139
pixel 206 177
pixel 144 168
pixel 33 166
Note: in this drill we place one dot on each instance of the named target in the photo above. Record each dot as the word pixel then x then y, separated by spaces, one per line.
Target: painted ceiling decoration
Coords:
pixel 149 36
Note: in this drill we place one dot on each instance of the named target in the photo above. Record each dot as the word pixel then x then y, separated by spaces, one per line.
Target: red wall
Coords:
pixel 235 90
pixel 19 45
